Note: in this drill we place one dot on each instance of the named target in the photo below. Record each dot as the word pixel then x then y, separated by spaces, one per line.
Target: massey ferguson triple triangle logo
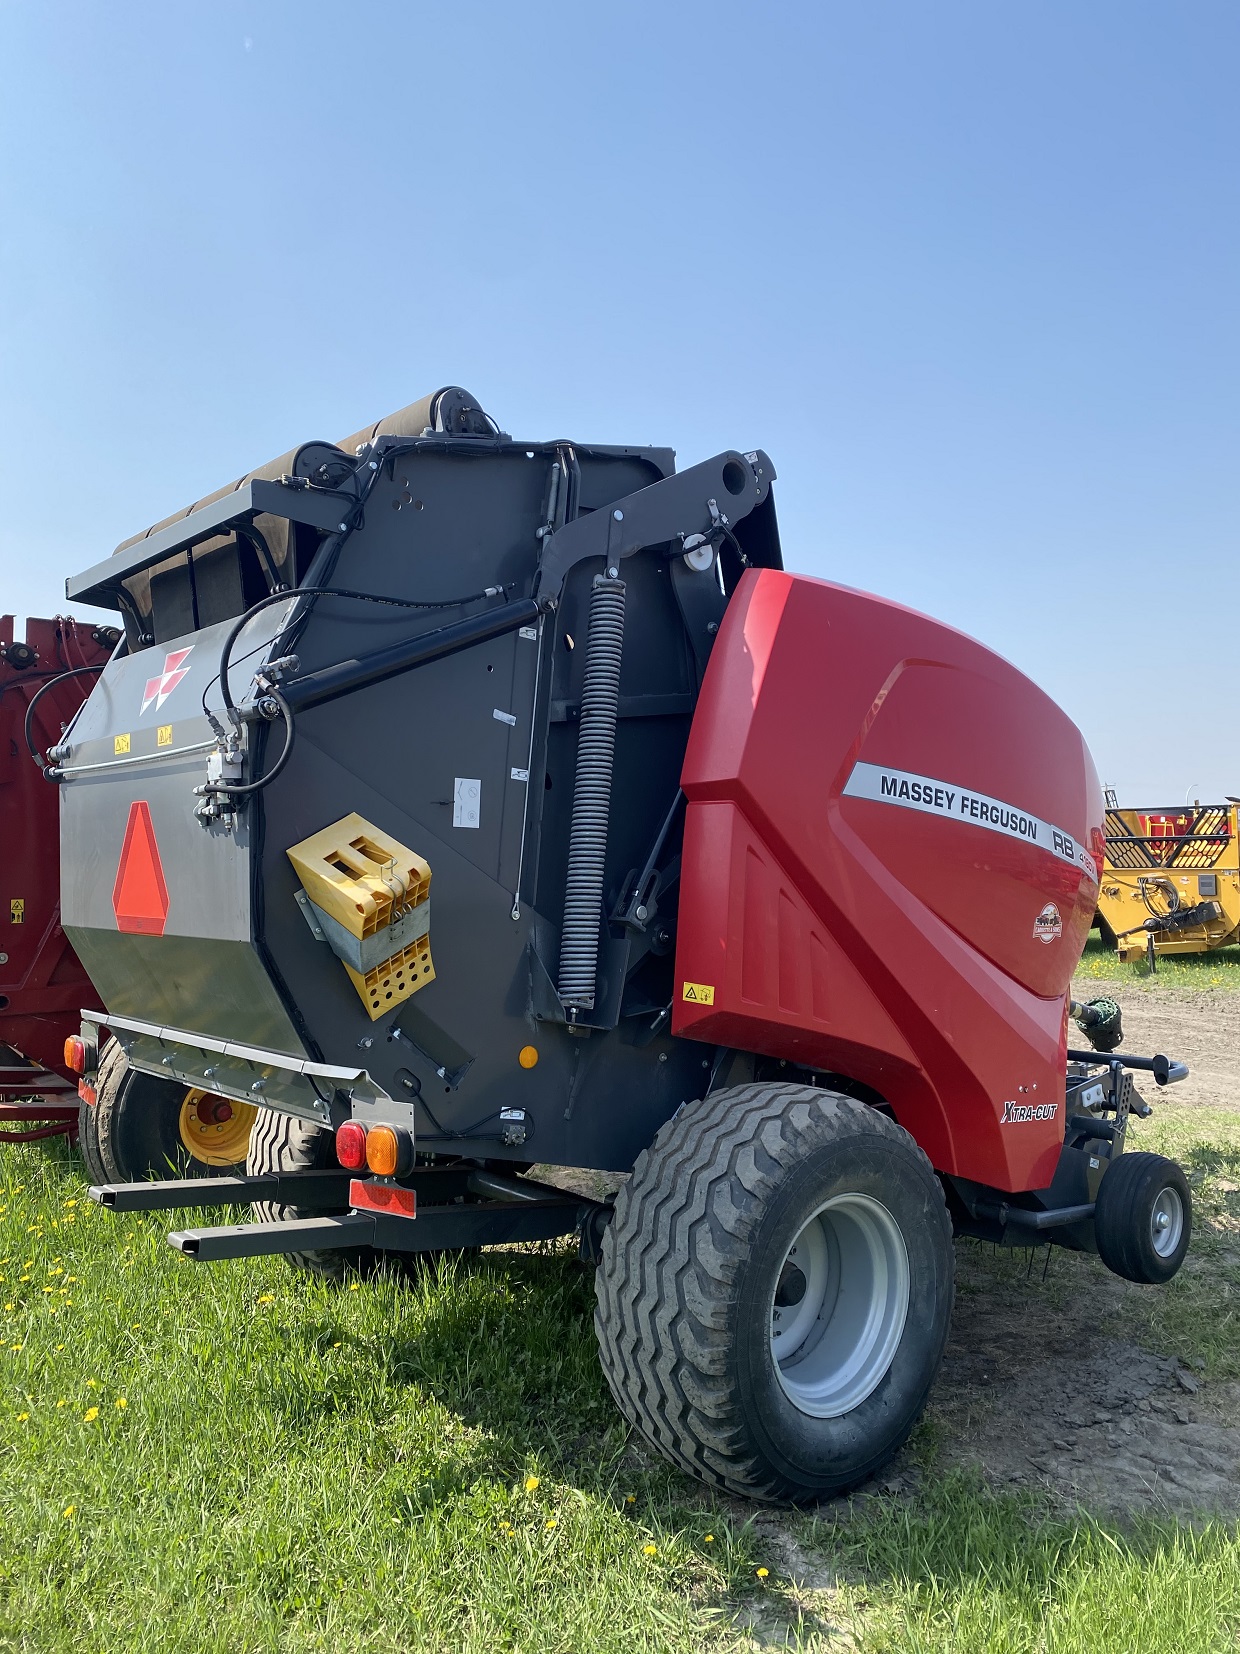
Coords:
pixel 158 689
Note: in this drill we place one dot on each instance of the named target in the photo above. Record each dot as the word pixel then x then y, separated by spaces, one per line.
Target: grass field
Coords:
pixel 1220 969
pixel 238 1458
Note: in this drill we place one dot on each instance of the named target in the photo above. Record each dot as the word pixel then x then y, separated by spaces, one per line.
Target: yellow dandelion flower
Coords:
pixel 531 1482
pixel 121 1404
pixel 63 1402
pixel 762 1573
pixel 8 1306
pixel 551 1520
pixel 92 1383
pixel 60 1346
pixel 336 1345
pixel 53 1270
pixel 49 1289
pixel 650 1550
pixel 15 1347
pixel 22 1418
pixel 630 1498
pixel 90 1415
pixel 710 1539
pixel 70 1202
pixel 267 1298
pixel 353 1286
pixel 68 1511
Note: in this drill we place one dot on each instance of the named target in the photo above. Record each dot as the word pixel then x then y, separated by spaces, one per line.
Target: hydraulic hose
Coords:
pixel 596 751
pixel 28 727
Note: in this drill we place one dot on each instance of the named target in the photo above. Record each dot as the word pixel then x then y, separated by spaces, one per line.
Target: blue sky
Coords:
pixel 968 271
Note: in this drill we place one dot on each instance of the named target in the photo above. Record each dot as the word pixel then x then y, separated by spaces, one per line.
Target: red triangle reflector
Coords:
pixel 140 896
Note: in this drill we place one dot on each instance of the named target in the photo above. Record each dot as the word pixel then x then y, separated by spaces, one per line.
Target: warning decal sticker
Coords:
pixel 943 798
pixel 698 993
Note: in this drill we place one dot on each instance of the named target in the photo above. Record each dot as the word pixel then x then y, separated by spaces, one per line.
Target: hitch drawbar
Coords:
pixel 457 1208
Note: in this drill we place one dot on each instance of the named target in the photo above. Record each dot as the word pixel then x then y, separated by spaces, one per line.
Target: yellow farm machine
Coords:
pixel 1170 880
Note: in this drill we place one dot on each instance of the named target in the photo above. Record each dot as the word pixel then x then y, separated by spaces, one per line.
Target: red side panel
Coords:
pixel 42 985
pixel 890 867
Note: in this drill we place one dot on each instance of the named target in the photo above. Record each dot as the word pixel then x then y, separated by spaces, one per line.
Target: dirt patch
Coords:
pixel 1033 1393
pixel 1199 1027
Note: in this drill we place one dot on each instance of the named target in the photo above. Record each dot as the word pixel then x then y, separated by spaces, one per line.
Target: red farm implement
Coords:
pixel 43 681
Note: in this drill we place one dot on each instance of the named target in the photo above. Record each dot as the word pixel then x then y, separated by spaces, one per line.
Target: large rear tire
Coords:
pixel 775 1291
pixel 143 1127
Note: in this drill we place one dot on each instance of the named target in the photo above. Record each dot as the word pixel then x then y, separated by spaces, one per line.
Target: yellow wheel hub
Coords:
pixel 215 1130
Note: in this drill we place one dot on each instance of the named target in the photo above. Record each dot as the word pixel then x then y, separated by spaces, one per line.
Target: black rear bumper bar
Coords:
pixel 458 1208
pixel 435 1229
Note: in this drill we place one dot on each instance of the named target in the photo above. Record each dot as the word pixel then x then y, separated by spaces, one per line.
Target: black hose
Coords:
pixel 28 728
pixel 241 789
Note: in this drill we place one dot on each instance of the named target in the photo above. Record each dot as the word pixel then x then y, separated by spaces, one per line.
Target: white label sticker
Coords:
pixel 520 775
pixel 503 717
pixel 943 798
pixel 466 802
pixel 530 633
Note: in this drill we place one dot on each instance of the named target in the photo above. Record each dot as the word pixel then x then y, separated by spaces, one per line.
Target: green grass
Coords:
pixel 1219 969
pixel 966 1572
pixel 438 1466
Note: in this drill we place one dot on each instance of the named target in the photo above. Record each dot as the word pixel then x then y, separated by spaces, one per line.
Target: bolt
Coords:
pixel 618 515
pixel 662 1056
pixel 612 573
pixel 641 911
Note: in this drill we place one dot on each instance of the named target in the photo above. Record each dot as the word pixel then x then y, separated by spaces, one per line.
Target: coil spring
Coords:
pixel 596 751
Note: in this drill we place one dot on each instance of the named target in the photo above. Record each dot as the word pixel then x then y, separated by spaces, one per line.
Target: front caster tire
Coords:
pixel 1143 1219
pixel 775 1291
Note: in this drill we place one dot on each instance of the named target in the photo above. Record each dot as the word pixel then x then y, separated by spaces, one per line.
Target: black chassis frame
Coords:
pixel 466 1204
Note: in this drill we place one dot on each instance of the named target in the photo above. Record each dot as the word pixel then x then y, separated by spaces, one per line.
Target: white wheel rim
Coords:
pixel 838 1320
pixel 1167 1222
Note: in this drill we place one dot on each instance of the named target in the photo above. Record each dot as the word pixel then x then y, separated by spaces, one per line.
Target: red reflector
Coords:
pixel 87 1093
pixel 75 1054
pixel 140 896
pixel 383 1197
pixel 351 1146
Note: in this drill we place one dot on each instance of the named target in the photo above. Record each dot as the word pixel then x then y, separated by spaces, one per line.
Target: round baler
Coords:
pixel 465 803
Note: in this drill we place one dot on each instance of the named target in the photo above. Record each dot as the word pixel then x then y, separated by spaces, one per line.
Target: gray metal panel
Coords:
pixel 318 508
pixel 224 987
